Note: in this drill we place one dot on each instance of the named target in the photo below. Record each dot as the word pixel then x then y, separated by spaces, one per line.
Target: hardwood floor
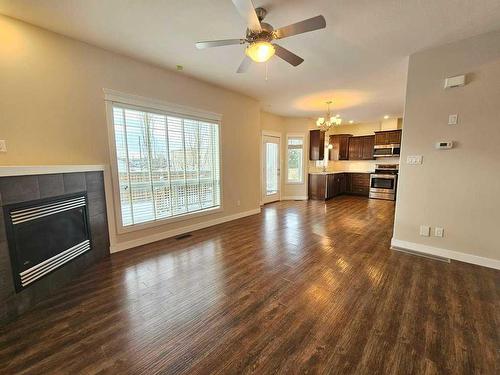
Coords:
pixel 305 287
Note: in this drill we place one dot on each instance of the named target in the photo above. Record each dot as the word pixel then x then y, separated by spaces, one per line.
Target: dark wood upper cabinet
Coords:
pixel 387 137
pixel 316 145
pixel 340 147
pixel 356 148
pixel 361 148
pixel 368 143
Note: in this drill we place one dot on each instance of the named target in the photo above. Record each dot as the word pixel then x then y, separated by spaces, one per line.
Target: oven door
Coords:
pixel 383 183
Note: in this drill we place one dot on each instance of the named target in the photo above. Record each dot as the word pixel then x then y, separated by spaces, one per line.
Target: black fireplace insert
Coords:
pixel 45 234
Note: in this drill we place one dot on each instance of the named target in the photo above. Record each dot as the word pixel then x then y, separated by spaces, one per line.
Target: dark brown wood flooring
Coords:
pixel 304 287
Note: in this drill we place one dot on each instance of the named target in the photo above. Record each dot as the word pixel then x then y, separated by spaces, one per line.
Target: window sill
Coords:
pixel 160 222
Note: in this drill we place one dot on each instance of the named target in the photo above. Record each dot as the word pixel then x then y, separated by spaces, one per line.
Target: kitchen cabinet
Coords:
pixel 336 185
pixel 330 185
pixel 355 148
pixel 367 149
pixel 317 186
pixel 326 186
pixel 316 145
pixel 361 148
pixel 358 183
pixel 340 147
pixel 387 137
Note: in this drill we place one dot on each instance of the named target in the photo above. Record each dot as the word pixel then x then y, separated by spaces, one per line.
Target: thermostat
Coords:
pixel 444 145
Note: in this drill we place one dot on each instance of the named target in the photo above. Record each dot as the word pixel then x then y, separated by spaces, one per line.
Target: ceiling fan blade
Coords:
pixel 218 43
pixel 311 24
pixel 247 11
pixel 245 64
pixel 288 56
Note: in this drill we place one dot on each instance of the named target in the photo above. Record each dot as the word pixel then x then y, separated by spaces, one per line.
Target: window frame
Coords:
pixel 302 175
pixel 112 97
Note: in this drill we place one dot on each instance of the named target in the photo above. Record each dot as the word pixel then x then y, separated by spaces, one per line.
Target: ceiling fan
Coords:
pixel 260 36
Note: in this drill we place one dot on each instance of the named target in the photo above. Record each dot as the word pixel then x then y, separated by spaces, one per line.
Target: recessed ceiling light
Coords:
pixel 351 121
pixel 386 117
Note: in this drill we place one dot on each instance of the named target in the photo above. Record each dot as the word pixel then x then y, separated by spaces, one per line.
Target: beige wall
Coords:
pixel 457 189
pixel 52 110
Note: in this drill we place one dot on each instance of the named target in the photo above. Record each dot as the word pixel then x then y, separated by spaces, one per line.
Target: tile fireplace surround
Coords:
pixel 16 188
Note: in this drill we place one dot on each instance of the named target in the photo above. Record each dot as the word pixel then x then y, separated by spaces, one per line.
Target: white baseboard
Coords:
pixel 295 198
pixel 114 248
pixel 444 253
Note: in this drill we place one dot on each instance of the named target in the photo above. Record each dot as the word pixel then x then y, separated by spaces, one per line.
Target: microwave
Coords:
pixel 380 151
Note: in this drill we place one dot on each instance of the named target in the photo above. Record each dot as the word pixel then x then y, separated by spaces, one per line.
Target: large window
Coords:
pixel 168 165
pixel 295 159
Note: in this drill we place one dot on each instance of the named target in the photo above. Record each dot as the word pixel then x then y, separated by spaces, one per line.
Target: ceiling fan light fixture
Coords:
pixel 260 51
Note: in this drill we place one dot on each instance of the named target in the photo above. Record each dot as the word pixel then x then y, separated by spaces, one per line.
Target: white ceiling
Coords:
pixel 360 59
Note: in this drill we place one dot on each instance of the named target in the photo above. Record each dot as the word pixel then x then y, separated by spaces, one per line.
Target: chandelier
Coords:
pixel 325 123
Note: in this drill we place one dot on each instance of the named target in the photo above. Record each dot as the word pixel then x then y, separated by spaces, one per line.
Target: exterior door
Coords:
pixel 271 168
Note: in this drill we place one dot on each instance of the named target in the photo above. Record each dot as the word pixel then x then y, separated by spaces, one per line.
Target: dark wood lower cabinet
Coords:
pixel 317 186
pixel 358 183
pixel 327 186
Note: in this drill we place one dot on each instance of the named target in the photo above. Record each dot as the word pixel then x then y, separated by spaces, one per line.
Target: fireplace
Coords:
pixel 45 234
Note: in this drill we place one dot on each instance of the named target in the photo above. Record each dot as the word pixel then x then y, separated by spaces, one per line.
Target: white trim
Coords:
pixel 444 253
pixel 295 198
pixel 141 101
pixel 24 170
pixel 178 231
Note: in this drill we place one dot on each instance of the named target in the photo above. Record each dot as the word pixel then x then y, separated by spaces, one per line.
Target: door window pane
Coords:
pixel 271 168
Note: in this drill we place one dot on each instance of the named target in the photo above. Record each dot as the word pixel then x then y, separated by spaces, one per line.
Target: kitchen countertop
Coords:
pixel 335 172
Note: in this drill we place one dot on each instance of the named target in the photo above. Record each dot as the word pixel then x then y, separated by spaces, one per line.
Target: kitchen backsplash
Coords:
pixel 350 165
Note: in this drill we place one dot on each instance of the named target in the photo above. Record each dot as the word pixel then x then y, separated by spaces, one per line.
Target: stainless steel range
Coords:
pixel 384 181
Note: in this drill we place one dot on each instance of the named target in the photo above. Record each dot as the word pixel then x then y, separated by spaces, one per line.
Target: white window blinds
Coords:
pixel 168 165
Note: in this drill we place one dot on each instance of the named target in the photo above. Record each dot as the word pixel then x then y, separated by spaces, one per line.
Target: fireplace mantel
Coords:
pixel 26 170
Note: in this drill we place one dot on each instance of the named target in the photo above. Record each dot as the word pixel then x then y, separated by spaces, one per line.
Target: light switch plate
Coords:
pixel 425 230
pixel 453 119
pixel 438 232
pixel 414 159
pixel 3 146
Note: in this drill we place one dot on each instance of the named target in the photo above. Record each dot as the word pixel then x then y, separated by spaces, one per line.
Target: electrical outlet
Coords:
pixel 238 203
pixel 438 232
pixel 3 146
pixel 453 119
pixel 425 230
